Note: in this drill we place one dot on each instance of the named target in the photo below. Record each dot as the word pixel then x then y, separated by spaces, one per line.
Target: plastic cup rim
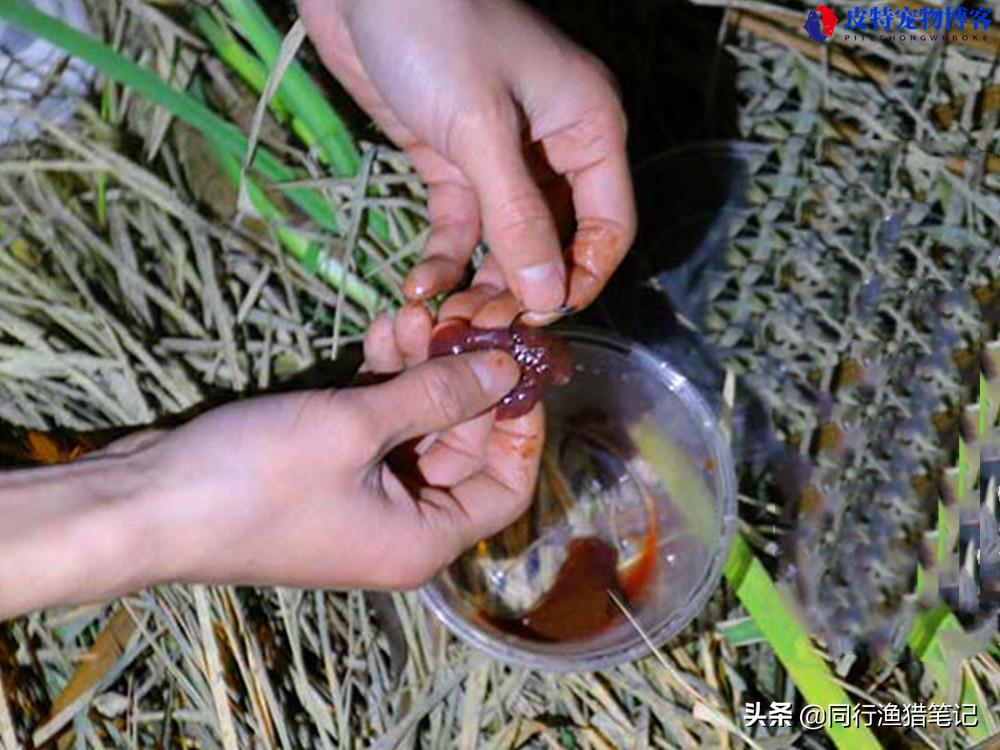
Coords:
pixel 672 625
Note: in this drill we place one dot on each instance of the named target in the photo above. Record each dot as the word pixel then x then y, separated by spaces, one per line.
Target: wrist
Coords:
pixel 119 526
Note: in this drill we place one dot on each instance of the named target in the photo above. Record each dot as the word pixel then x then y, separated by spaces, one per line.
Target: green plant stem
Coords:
pixel 791 643
pixel 322 126
pixel 119 68
pixel 249 68
pixel 225 137
pixel 302 95
pixel 305 250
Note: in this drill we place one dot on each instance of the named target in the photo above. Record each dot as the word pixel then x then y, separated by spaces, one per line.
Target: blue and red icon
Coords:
pixel 821 23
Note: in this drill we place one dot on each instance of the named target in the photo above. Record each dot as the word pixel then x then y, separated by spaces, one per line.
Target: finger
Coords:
pixel 382 355
pixel 511 449
pixel 591 153
pixel 486 304
pixel 514 450
pixel 475 509
pixel 432 276
pixel 555 189
pixel 499 312
pixel 334 43
pixel 455 231
pixel 516 219
pixel 436 395
pixel 413 333
pixel 458 454
pixel 559 198
pixel 489 506
pixel 598 248
pixel 489 273
pixel 465 305
pixel 483 307
pixel 486 284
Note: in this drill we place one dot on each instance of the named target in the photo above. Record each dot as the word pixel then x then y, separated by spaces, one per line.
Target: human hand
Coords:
pixel 455 83
pixel 310 489
pixel 313 490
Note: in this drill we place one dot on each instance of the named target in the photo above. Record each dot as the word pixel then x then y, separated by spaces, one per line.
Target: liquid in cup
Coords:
pixel 636 497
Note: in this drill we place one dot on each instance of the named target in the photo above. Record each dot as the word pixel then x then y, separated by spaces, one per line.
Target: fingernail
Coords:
pixel 544 318
pixel 417 289
pixel 542 287
pixel 425 443
pixel 496 371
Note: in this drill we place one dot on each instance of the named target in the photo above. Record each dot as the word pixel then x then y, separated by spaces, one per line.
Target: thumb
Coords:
pixel 438 394
pixel 517 222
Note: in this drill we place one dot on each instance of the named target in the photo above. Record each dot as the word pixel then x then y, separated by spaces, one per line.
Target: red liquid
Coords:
pixel 545 360
pixel 579 604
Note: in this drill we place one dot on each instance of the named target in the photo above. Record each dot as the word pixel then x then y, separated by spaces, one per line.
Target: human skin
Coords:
pixel 292 490
pixel 295 489
pixel 500 114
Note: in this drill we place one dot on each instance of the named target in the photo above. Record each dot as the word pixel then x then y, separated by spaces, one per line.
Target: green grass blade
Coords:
pixel 302 95
pixel 232 52
pixel 319 125
pixel 236 56
pixel 144 82
pixel 791 642
pixel 226 138
pixel 740 633
pixel 126 72
pixel 302 248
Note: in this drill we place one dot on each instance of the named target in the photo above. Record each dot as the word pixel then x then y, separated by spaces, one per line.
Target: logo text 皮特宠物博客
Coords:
pixel 895 23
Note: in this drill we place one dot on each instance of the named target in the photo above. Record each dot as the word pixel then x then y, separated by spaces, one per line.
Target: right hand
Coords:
pixel 455 83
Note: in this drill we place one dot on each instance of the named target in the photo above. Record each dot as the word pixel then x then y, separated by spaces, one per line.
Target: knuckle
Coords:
pixel 491 114
pixel 522 211
pixel 609 79
pixel 591 66
pixel 603 121
pixel 601 130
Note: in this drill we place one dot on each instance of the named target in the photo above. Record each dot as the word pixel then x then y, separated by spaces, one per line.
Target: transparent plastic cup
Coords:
pixel 633 459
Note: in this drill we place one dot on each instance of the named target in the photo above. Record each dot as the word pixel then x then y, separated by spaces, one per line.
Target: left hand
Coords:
pixel 317 489
pixel 305 489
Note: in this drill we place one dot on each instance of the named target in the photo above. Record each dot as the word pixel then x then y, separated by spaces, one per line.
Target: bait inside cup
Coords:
pixel 634 513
